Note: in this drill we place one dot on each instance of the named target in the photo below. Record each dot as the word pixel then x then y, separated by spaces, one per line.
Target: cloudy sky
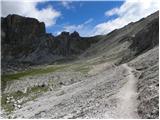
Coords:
pixel 87 17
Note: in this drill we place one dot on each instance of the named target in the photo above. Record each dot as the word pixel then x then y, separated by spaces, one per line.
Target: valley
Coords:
pixel 108 76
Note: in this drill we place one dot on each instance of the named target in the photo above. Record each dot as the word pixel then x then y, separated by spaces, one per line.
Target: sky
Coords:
pixel 89 18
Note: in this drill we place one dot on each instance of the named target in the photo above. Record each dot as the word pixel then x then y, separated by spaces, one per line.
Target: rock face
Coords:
pixel 147 38
pixel 19 34
pixel 25 40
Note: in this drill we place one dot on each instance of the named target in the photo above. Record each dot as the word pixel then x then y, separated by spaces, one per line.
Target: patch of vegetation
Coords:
pixel 30 94
pixel 82 68
pixel 8 107
pixel 31 72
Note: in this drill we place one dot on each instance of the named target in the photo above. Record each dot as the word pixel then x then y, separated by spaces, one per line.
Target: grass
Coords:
pixel 8 107
pixel 82 68
pixel 31 72
pixel 31 94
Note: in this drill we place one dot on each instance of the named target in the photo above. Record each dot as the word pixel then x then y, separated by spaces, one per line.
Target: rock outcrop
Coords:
pixel 147 38
pixel 19 36
pixel 24 40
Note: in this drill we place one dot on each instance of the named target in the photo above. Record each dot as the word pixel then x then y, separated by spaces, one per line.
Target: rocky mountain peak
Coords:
pixel 25 39
pixel 75 34
pixel 64 33
pixel 23 25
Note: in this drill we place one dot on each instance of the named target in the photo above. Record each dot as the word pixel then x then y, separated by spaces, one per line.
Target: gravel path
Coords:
pixel 109 94
pixel 127 98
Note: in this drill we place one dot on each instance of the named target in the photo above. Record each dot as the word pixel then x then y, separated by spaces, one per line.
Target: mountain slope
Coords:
pixel 113 76
pixel 128 42
pixel 25 41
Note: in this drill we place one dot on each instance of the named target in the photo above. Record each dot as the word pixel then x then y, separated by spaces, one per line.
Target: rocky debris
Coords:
pixel 149 108
pixel 40 114
pixel 148 83
pixel 16 103
pixel 3 114
pixel 50 80
pixel 84 99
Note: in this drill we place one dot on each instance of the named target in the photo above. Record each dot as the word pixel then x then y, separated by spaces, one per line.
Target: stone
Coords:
pixel 19 101
pixel 15 105
pixel 61 83
pixel 25 90
pixel 43 114
pixel 8 98
pixel 19 106
pixel 13 100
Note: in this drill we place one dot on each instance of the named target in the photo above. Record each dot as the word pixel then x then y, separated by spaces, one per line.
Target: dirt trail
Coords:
pixel 126 106
pixel 128 96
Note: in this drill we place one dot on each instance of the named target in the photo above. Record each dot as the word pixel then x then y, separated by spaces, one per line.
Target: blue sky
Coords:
pixel 80 12
pixel 89 18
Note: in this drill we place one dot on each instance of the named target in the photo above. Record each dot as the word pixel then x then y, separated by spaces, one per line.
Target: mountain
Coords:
pixel 24 40
pixel 129 41
pixel 68 76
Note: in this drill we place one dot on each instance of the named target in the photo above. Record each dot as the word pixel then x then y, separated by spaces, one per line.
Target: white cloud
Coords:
pixel 130 11
pixel 28 8
pixel 111 12
pixel 66 4
pixel 88 21
pixel 84 29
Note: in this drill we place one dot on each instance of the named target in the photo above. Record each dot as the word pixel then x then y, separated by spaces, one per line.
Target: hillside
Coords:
pixel 69 76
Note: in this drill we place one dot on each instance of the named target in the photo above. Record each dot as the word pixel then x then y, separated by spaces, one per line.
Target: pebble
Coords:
pixel 19 101
pixel 25 90
pixel 43 114
pixel 19 106
pixel 15 105
pixel 8 98
pixel 13 100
